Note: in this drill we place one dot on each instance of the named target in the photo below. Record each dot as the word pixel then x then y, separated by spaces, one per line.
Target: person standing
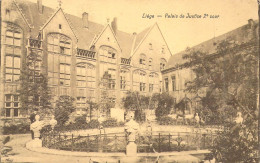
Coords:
pixel 32 119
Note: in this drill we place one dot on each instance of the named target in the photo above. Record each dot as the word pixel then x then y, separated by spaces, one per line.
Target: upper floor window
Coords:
pixel 150 63
pixel 107 54
pixel 124 79
pixel 150 46
pixel 173 83
pixel 13 41
pixel 142 60
pixel 142 82
pixel 163 50
pixel 81 76
pixel 166 82
pixel 162 64
pixel 59 60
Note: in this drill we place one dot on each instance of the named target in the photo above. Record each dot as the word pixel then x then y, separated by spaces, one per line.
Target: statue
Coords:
pixel 239 119
pixel 197 118
pixel 53 122
pixel 36 128
pixel 131 129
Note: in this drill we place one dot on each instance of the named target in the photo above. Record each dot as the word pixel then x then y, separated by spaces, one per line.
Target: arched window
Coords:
pixel 59 61
pixel 162 64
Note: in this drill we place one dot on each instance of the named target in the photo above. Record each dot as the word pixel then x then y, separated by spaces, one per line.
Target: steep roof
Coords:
pixel 85 35
pixel 239 34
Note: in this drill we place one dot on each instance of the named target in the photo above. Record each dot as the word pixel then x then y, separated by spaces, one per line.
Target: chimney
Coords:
pixel 114 25
pixel 85 20
pixel 251 23
pixel 39 4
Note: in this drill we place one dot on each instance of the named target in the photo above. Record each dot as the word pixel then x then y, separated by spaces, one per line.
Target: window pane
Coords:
pixel 67 69
pixel 8 97
pixel 16 111
pixel 50 40
pixel 9 61
pixel 16 62
pixel 17 51
pixel 8 104
pixel 16 78
pixel 17 42
pixel 68 60
pixel 16 98
pixel 50 48
pixel 9 50
pixel 17 35
pixel 16 104
pixel 62 59
pixel 9 33
pixel 8 78
pixel 56 49
pixel 62 68
pixel 15 71
pixel 8 112
pixel 56 66
pixel 50 62
pixel 9 40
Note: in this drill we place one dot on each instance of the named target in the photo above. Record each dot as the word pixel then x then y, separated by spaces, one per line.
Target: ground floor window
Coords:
pixel 11 105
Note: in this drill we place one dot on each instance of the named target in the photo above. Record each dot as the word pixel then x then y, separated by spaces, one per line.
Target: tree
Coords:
pixel 34 91
pixel 165 105
pixel 230 78
pixel 64 107
pixel 136 102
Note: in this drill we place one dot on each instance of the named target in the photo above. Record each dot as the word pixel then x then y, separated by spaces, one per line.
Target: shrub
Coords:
pixel 111 122
pixel 93 124
pixel 166 121
pixel 80 120
pixel 22 128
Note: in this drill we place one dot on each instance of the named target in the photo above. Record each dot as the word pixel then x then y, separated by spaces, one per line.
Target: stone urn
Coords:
pixel 36 128
pixel 53 122
pixel 131 128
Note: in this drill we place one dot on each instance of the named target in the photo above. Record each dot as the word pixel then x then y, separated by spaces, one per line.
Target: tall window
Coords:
pixel 124 79
pixel 166 82
pixel 81 76
pixel 59 61
pixel 142 60
pixel 173 83
pixel 11 105
pixel 142 82
pixel 162 64
pixel 91 76
pixel 13 41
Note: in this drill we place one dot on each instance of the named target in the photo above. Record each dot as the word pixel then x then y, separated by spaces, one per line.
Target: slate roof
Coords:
pixel 85 36
pixel 239 34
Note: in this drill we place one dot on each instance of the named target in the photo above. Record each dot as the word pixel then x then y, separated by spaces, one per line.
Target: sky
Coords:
pixel 179 33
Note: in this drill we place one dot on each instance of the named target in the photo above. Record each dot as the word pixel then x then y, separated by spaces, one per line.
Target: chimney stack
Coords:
pixel 39 4
pixel 114 25
pixel 251 23
pixel 85 20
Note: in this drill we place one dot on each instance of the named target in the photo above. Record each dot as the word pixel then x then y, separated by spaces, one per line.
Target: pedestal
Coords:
pixel 131 149
pixel 36 143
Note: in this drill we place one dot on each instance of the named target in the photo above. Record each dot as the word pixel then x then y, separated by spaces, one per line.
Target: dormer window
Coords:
pixel 163 51
pixel 150 46
pixel 142 60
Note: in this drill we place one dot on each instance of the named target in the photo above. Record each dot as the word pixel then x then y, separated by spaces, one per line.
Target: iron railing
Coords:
pixel 154 142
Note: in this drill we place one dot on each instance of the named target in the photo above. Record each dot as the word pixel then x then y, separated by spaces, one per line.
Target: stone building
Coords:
pixel 81 58
pixel 175 76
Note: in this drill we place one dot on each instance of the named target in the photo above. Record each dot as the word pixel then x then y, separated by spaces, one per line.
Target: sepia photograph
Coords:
pixel 129 81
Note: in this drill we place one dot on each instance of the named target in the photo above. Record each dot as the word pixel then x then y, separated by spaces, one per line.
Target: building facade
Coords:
pixel 175 75
pixel 81 58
